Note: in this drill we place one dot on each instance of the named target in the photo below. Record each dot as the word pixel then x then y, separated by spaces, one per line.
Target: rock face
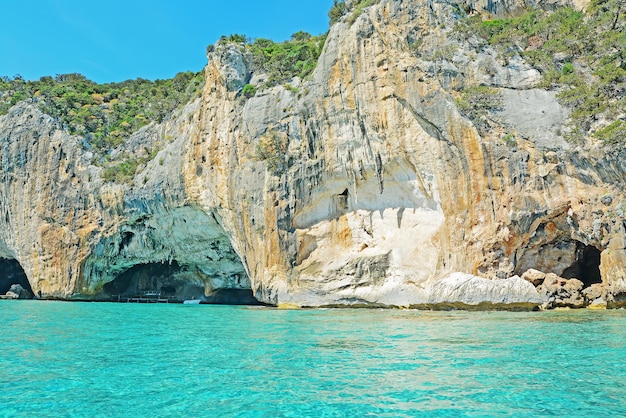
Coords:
pixel 559 292
pixel 465 290
pixel 381 192
pixel 77 238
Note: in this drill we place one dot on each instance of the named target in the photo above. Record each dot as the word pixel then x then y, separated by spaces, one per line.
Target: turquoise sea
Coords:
pixel 106 359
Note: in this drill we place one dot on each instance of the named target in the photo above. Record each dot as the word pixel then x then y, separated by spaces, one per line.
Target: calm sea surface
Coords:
pixel 99 359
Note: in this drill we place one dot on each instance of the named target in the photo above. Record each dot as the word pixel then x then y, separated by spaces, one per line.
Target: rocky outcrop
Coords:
pixel 467 291
pixel 380 190
pixel 561 292
pixel 18 292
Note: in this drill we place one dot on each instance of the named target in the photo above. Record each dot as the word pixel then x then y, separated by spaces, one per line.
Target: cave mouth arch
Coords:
pixel 586 267
pixel 11 272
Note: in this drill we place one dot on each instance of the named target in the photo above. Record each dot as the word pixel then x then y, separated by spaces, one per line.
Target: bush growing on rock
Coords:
pixel 283 61
pixel 337 11
pixel 359 7
pixel 340 8
pixel 583 55
pixel 476 102
pixel 272 148
pixel 248 91
pixel 235 38
pixel 613 133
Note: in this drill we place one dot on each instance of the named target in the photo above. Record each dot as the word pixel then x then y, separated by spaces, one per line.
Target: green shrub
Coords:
pixel 358 9
pixel 476 102
pixel 272 148
pixel 290 88
pixel 337 11
pixel 248 91
pixel 615 133
pixel 234 38
pixel 445 53
pixel 568 68
pixel 283 61
pixel 509 140
pixel 124 169
pixel 122 172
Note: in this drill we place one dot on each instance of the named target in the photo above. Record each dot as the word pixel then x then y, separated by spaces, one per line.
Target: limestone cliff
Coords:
pixel 76 237
pixel 364 185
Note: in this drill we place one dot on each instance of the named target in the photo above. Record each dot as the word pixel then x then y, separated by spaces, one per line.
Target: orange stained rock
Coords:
pixel 341 233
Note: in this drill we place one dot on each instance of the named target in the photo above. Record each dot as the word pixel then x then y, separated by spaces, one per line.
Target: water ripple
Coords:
pixel 88 359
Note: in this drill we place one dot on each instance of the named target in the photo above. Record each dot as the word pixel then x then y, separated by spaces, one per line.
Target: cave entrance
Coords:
pixel 149 278
pixel 586 268
pixel 173 282
pixel 11 272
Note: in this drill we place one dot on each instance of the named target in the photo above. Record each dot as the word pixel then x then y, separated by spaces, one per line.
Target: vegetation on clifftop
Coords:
pixel 104 114
pixel 286 60
pixel 296 57
pixel 340 8
pixel 582 55
pixel 281 61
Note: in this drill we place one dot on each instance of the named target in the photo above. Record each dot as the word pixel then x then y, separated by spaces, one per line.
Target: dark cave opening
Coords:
pixel 173 282
pixel 11 272
pixel 127 238
pixel 586 268
pixel 141 278
pixel 232 297
pixel 343 199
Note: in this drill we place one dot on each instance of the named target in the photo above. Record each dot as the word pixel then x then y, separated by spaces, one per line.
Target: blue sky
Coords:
pixel 116 40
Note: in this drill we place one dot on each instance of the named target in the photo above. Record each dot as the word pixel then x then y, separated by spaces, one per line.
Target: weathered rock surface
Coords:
pixel 596 291
pixel 561 293
pixel 384 191
pixel 465 290
pixel 535 277
pixel 76 237
pixel 18 292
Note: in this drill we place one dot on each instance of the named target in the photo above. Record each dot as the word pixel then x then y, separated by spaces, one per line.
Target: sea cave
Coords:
pixel 586 268
pixel 172 282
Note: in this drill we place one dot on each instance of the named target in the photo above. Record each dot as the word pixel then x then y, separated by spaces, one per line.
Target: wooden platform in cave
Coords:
pixel 147 297
pixel 143 300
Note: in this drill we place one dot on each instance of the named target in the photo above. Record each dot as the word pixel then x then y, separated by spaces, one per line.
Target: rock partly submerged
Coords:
pixel 456 291
pixel 466 291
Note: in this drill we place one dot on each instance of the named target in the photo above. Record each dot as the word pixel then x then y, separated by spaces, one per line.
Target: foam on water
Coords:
pixel 95 359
